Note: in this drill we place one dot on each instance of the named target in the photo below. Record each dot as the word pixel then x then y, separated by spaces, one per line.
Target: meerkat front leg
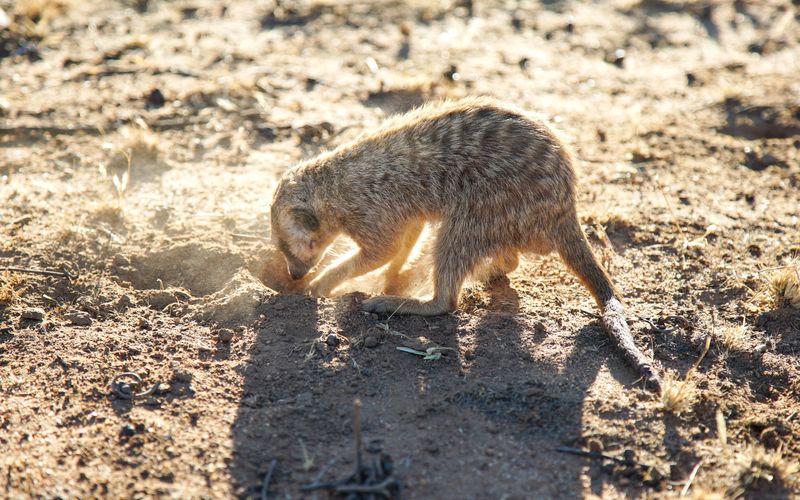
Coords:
pixel 393 280
pixel 455 258
pixel 358 263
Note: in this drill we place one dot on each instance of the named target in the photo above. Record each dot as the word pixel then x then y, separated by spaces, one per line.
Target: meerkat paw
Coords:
pixel 384 304
pixel 389 304
pixel 320 287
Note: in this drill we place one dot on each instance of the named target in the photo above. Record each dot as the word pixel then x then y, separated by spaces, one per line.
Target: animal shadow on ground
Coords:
pixel 482 421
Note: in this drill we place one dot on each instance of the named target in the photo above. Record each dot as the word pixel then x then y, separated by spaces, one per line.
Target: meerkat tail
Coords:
pixel 577 254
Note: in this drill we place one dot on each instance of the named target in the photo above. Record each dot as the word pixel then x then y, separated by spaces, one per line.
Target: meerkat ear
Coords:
pixel 306 219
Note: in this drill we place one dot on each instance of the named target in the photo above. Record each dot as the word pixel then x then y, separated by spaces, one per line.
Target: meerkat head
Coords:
pixel 296 228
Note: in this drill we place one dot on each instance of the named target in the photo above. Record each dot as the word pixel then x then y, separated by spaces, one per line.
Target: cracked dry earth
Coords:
pixel 139 147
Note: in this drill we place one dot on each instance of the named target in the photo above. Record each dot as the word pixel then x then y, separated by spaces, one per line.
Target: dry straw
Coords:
pixel 9 284
pixel 678 396
pixel 784 286
pixel 759 466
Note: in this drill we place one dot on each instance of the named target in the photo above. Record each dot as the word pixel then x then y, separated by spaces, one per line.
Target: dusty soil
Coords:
pixel 139 147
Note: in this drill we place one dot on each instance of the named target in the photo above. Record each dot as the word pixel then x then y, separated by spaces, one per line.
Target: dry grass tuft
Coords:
pixel 677 396
pixel 9 284
pixel 138 155
pixel 759 467
pixel 138 152
pixel 733 339
pixel 784 286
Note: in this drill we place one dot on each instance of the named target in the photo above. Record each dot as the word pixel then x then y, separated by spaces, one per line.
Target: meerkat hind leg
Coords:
pixel 501 266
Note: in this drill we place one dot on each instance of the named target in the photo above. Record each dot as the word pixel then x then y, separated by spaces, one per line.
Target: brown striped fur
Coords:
pixel 498 181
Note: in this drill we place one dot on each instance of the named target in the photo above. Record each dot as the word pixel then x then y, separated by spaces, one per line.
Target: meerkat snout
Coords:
pixel 296 230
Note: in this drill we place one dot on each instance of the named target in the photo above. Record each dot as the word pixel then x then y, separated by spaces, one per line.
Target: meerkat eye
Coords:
pixel 306 219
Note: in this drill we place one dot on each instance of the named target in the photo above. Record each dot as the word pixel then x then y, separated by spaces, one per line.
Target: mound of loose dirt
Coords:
pixel 201 268
pixel 236 303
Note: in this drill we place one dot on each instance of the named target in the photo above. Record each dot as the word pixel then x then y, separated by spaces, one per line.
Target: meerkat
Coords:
pixel 497 181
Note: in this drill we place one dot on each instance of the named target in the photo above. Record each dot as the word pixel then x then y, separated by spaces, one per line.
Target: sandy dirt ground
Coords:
pixel 139 147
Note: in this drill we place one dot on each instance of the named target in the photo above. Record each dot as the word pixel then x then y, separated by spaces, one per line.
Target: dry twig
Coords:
pixel 267 479
pixel 42 272
pixel 367 481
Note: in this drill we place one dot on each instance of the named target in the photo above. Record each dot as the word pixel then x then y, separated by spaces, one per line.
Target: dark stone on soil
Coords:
pixel 127 431
pixel 333 340
pixel 225 335
pixel 189 12
pixel 79 318
pixel 33 314
pixel 267 132
pixel 371 340
pixel 155 99
pixel 756 48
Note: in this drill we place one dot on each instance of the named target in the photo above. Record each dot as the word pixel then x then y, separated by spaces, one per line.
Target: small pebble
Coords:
pixel 333 340
pixel 155 99
pixel 33 314
pixel 225 335
pixel 79 318
pixel 127 431
pixel 124 302
pixel 371 341
pixel 181 375
pixel 619 58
